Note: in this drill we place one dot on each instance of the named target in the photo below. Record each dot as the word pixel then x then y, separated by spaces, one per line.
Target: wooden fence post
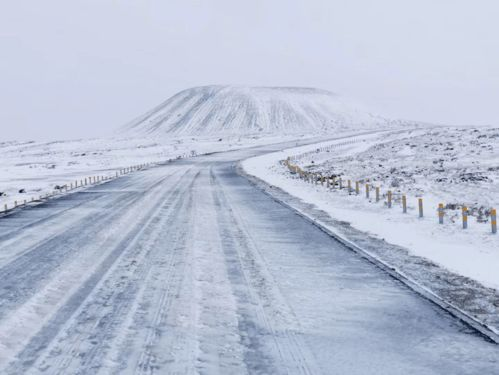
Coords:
pixel 493 220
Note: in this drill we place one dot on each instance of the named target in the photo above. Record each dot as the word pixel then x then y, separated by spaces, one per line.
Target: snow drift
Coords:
pixel 228 110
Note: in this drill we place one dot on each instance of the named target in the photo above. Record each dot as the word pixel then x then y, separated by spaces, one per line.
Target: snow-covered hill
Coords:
pixel 229 110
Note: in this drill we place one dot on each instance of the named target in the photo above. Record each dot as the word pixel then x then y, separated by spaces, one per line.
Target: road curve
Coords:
pixel 188 268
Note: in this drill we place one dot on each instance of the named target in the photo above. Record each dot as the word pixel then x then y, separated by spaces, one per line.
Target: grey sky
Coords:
pixel 77 68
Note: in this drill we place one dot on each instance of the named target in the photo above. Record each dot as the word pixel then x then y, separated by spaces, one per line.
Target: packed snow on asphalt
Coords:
pixel 189 268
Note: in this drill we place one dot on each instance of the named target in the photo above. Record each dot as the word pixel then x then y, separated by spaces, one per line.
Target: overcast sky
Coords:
pixel 76 68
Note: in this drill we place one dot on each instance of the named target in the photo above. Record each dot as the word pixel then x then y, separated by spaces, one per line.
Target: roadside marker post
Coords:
pixel 313 178
pixel 440 213
pixel 493 220
pixel 5 208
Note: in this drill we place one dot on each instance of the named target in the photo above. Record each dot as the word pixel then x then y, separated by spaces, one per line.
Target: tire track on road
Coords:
pixel 26 274
pixel 38 343
pixel 257 296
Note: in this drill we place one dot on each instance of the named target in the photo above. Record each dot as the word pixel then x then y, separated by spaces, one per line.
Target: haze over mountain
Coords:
pixel 232 110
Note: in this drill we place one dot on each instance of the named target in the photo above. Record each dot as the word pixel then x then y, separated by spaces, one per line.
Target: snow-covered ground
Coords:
pixel 188 268
pixel 455 166
pixel 449 165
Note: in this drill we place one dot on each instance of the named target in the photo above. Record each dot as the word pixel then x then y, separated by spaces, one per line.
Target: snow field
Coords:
pixel 30 170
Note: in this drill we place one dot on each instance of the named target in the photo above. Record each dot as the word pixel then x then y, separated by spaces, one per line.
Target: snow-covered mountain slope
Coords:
pixel 232 110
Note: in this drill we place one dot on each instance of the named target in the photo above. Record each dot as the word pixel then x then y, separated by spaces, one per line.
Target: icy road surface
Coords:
pixel 188 268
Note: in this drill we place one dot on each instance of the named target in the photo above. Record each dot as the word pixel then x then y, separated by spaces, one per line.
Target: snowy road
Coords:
pixel 188 268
